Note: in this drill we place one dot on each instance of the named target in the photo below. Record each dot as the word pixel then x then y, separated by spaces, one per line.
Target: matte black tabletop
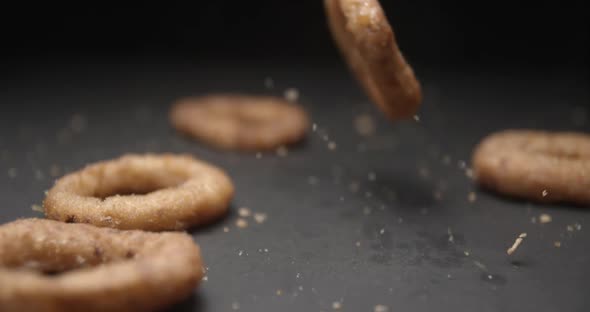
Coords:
pixel 392 219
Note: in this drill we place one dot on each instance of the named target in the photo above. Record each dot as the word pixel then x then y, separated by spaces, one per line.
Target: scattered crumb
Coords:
pixel 12 172
pixel 235 306
pixel 269 83
pixel 331 145
pixel 471 197
pixel 372 176
pixel 578 226
pixel 417 118
pixel 298 275
pixel 557 244
pixel 544 193
pixel 241 223
pixel 517 243
pixel 314 127
pixel 292 94
pixel 466 253
pixel 480 265
pixel 364 125
pixel 570 228
pixel 205 278
pixel 282 151
pixel 462 164
pixel 358 244
pixel 382 231
pixel 244 212
pixel 279 292
pixel 336 305
pixel 469 173
pixel 260 217
pixel 240 253
pixel 300 288
pixel 225 229
pixel 37 208
pixel 450 233
pixel 545 218
pixel 381 308
pixel 490 277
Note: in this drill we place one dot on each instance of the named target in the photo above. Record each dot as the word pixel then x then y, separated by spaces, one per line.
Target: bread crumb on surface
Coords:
pixel 545 218
pixel 241 223
pixel 37 208
pixel 557 244
pixel 381 308
pixel 244 212
pixel 517 243
pixel 292 94
pixel 336 305
pixel 235 306
pixel 260 217
pixel 364 125
pixel 471 197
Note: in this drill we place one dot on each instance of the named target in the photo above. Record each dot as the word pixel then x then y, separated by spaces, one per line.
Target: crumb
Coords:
pixel 37 208
pixel 331 145
pixel 490 277
pixel 240 253
pixel 382 231
pixel 292 94
pixel 279 292
pixel 358 244
pixel 372 176
pixel 235 306
pixel 557 244
pixel 260 217
pixel 225 229
pixel 544 193
pixel 469 173
pixel 298 275
pixel 480 265
pixel 282 151
pixel 545 218
pixel 241 223
pixel 451 237
pixel 300 288
pixel 578 226
pixel 205 278
pixel 244 212
pixel 336 305
pixel 466 253
pixel 381 308
pixel 364 125
pixel 517 243
pixel 471 197
pixel 314 127
pixel 417 118
pixel 570 228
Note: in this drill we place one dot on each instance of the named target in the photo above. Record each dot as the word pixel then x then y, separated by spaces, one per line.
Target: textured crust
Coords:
pixel 101 269
pixel 536 165
pixel 240 122
pixel 366 40
pixel 181 192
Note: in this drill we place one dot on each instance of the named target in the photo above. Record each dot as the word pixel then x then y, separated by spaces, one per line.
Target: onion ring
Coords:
pixel 240 122
pixel 178 192
pixel 541 166
pixel 94 269
pixel 366 41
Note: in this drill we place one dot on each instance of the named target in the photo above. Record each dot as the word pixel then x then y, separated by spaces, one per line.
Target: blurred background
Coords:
pixel 540 36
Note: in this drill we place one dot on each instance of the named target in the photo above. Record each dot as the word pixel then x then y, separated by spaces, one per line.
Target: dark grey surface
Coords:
pixel 405 259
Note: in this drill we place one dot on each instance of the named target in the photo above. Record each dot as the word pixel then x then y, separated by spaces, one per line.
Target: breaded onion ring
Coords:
pixel 178 192
pixel 93 269
pixel 240 122
pixel 366 40
pixel 536 165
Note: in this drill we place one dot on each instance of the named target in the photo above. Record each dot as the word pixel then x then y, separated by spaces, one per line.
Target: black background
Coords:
pixel 541 35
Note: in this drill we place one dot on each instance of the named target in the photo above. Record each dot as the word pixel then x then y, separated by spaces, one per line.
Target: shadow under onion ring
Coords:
pixel 541 166
pixel 93 269
pixel 146 192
